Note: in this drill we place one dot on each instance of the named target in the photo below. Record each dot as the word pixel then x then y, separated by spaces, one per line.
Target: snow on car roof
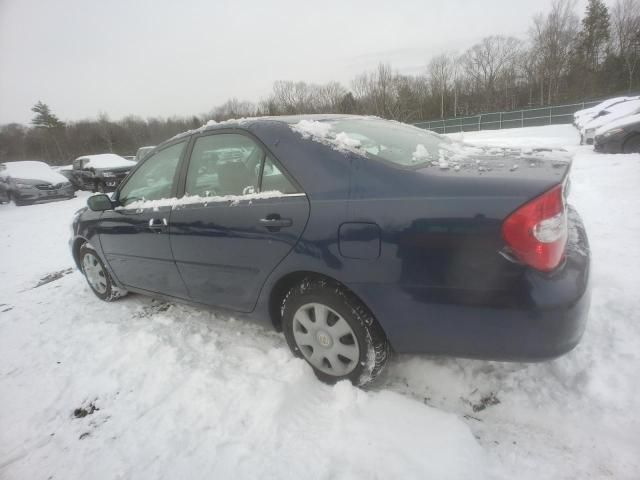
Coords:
pixel 31 170
pixel 617 111
pixel 107 160
pixel 621 122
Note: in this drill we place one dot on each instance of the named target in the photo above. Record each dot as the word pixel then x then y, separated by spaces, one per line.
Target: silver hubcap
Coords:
pixel 94 273
pixel 325 339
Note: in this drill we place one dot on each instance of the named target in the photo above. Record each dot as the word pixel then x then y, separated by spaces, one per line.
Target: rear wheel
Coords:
pixel 632 144
pixel 97 275
pixel 334 332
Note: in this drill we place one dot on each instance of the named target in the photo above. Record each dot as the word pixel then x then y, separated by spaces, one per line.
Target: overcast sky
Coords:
pixel 170 57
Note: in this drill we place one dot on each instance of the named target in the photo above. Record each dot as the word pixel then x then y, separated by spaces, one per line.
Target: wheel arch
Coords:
pixel 628 139
pixel 75 249
pixel 287 281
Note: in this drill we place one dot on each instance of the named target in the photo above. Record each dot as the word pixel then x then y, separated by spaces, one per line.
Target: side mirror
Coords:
pixel 99 203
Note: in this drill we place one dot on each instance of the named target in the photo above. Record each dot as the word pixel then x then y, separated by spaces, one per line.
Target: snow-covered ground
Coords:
pixel 145 389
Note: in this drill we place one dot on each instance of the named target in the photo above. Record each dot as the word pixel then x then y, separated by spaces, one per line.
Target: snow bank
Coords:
pixel 191 199
pixel 108 160
pixel 31 170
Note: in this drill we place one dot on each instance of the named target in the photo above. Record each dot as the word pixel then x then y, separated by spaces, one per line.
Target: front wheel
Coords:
pixel 100 187
pixel 334 332
pixel 97 276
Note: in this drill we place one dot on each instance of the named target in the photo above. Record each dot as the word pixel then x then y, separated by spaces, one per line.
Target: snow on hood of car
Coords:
pixel 617 111
pixel 107 160
pixel 32 170
pixel 621 122
pixel 192 199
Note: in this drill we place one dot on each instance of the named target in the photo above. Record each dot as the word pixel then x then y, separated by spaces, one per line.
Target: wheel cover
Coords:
pixel 325 339
pixel 94 272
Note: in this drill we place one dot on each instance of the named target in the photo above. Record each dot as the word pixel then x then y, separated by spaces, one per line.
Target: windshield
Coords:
pixel 396 142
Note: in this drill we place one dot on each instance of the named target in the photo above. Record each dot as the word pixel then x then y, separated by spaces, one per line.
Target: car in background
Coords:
pixel 582 117
pixel 27 182
pixel 99 173
pixel 612 113
pixel 142 152
pixel 129 157
pixel 620 136
pixel 354 236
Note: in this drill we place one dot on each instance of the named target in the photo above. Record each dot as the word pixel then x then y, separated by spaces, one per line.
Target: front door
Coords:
pixel 134 237
pixel 245 217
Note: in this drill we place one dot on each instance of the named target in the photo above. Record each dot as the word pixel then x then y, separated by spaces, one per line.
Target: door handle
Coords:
pixel 275 222
pixel 158 224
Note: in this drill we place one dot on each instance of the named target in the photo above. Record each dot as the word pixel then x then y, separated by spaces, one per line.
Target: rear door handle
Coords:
pixel 274 221
pixel 158 224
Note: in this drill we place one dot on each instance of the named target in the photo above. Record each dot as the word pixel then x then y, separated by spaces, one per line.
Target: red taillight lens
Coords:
pixel 536 233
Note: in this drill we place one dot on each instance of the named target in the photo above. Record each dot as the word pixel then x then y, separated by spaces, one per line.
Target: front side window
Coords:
pixel 224 164
pixel 154 179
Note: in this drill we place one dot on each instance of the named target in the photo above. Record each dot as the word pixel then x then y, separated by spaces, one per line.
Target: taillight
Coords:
pixel 536 233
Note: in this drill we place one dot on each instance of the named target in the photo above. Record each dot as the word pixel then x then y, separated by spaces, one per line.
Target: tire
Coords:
pixel 100 187
pixel 98 276
pixel 334 332
pixel 632 144
pixel 16 201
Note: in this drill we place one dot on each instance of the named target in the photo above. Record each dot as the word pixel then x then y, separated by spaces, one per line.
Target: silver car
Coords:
pixel 29 182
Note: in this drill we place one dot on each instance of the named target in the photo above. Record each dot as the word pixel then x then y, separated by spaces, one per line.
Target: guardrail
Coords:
pixel 531 117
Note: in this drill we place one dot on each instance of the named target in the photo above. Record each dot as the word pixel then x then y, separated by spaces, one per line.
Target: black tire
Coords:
pixel 374 349
pixel 632 144
pixel 16 201
pixel 111 290
pixel 100 187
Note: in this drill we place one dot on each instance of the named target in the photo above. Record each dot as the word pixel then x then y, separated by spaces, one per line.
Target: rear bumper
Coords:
pixel 545 318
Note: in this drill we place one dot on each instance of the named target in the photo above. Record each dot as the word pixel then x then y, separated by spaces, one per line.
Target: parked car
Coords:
pixel 142 152
pixel 99 173
pixel 621 136
pixel 582 117
pixel 353 235
pixel 29 182
pixel 609 115
pixel 131 158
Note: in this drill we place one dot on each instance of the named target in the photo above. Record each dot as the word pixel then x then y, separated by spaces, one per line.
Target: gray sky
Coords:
pixel 170 57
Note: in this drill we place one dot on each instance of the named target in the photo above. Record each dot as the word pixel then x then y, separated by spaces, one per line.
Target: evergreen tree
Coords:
pixel 44 118
pixel 594 36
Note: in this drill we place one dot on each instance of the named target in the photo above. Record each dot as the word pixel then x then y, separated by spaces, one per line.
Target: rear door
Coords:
pixel 230 233
pixel 134 237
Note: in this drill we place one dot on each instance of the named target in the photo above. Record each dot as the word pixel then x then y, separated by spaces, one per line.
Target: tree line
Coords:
pixel 563 59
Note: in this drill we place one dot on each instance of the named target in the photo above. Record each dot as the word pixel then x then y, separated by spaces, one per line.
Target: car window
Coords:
pixel 154 179
pixel 274 180
pixel 224 164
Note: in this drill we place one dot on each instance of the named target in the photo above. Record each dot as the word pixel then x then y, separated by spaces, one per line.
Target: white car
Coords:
pixel 610 114
pixel 581 117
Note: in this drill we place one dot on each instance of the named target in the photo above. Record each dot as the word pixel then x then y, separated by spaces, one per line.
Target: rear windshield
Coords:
pixel 397 142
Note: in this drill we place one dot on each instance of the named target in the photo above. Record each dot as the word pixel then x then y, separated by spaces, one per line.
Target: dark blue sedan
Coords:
pixel 352 235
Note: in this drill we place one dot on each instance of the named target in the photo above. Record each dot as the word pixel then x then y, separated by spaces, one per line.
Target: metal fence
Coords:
pixel 531 117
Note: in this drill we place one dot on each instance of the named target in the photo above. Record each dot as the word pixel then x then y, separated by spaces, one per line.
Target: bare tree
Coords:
pixel 625 23
pixel 439 70
pixel 553 36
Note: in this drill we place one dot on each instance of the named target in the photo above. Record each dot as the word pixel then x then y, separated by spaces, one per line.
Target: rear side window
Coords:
pixel 232 164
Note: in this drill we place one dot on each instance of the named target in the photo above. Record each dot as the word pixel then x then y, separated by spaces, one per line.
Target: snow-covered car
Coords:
pixel 351 235
pixel 614 112
pixel 142 152
pixel 581 117
pixel 28 182
pixel 99 173
pixel 620 136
